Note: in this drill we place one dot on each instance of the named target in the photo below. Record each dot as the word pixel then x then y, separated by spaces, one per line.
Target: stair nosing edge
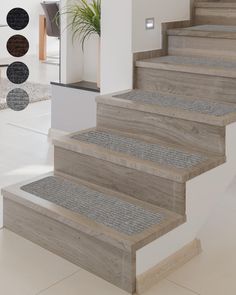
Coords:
pixel 83 224
pixel 171 173
pixel 192 69
pixel 172 112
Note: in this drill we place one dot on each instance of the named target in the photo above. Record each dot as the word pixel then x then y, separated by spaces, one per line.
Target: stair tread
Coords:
pixel 215 5
pixel 191 64
pixel 98 211
pixel 163 159
pixel 189 108
pixel 209 31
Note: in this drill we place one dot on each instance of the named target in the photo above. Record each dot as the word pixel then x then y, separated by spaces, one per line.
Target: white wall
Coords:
pixel 123 32
pixel 30 32
pixel 163 11
pixel 116 45
pixel 72 109
pixel 76 64
pixel 202 195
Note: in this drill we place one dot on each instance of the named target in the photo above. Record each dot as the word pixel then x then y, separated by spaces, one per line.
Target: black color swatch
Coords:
pixel 17 45
pixel 17 72
pixel 17 18
pixel 17 99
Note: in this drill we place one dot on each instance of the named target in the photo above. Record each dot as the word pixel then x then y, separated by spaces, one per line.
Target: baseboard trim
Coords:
pixel 150 278
pixel 56 133
pixel 148 54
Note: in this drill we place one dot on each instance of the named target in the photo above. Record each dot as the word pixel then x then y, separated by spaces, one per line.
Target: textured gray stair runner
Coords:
pixel 141 150
pixel 110 211
pixel 188 104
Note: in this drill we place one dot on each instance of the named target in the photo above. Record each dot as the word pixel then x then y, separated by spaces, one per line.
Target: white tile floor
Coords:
pixel 26 269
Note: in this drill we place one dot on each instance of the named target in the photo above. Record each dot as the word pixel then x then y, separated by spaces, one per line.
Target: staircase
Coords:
pixel 120 188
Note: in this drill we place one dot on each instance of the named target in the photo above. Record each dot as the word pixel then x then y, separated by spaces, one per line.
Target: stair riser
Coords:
pixel 146 187
pixel 198 46
pixel 194 135
pixel 110 263
pixel 215 16
pixel 189 84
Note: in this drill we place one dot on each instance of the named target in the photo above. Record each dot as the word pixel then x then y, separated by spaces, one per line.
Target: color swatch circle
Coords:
pixel 17 72
pixel 17 18
pixel 17 45
pixel 17 99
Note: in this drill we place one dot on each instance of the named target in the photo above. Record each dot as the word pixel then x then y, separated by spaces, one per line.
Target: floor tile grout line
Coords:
pixel 184 287
pixel 58 282
pixel 32 117
pixel 27 129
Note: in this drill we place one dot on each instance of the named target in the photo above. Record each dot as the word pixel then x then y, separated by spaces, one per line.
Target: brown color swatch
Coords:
pixel 17 45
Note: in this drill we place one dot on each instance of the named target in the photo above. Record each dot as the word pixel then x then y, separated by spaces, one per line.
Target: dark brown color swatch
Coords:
pixel 17 45
pixel 17 18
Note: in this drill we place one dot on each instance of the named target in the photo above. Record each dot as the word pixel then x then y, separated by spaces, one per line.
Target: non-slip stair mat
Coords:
pixel 141 150
pixel 201 106
pixel 194 61
pixel 110 211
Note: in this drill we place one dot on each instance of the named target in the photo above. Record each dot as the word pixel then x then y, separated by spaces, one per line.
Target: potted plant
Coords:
pixel 85 18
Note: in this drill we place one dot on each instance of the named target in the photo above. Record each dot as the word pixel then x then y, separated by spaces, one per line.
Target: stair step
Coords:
pixel 215 4
pixel 204 40
pixel 201 77
pixel 223 13
pixel 188 108
pixel 161 160
pixel 96 228
pixel 191 64
pixel 209 31
pixel 179 120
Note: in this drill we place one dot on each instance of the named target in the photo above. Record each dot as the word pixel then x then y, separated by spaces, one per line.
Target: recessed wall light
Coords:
pixel 150 23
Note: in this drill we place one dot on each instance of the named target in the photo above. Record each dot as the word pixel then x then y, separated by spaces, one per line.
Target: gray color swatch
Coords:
pixel 17 99
pixel 17 72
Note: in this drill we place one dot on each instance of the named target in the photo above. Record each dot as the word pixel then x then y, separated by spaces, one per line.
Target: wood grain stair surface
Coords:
pixel 113 217
pixel 217 41
pixel 182 107
pixel 191 64
pixel 93 227
pixel 223 13
pixel 215 4
pixel 207 31
pixel 164 160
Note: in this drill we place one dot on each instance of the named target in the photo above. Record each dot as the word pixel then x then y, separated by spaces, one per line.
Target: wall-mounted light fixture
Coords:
pixel 150 23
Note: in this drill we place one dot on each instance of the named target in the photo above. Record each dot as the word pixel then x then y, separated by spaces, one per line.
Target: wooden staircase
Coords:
pixel 121 186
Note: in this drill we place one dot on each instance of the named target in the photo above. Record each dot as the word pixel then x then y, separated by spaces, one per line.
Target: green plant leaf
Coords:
pixel 85 19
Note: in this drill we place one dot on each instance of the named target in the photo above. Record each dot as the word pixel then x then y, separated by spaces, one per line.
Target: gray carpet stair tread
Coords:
pixel 141 150
pixel 117 214
pixel 114 218
pixel 161 159
pixel 201 106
